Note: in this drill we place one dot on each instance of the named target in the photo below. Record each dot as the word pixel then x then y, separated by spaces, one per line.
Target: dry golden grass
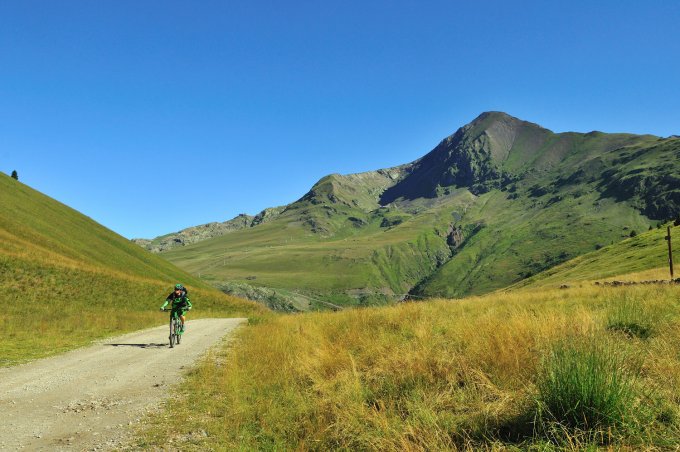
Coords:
pixel 654 274
pixel 448 374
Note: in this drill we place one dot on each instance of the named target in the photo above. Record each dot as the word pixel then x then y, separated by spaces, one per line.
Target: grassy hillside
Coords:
pixel 330 250
pixel 539 369
pixel 643 257
pixel 525 240
pixel 68 280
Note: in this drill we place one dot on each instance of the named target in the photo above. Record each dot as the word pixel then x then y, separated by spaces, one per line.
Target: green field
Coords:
pixel 284 254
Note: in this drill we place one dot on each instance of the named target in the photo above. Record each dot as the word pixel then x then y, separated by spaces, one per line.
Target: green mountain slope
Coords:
pixel 643 257
pixel 330 250
pixel 498 201
pixel 525 239
pixel 67 280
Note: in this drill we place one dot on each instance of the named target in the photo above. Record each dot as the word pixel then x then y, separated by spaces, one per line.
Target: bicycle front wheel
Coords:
pixel 172 332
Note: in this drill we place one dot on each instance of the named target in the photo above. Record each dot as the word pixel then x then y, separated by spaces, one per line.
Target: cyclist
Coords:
pixel 180 302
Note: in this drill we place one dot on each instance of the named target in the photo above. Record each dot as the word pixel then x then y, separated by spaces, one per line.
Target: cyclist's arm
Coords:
pixel 168 300
pixel 188 303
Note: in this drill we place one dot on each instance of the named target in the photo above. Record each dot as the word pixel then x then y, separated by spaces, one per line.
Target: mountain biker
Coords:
pixel 180 302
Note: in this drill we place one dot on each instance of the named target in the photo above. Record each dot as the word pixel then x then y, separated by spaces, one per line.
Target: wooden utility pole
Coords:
pixel 670 251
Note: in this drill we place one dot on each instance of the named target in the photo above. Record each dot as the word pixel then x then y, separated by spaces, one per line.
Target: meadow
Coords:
pixel 532 367
pixel 545 368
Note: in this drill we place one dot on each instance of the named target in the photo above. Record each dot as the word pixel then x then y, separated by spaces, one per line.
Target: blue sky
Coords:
pixel 151 116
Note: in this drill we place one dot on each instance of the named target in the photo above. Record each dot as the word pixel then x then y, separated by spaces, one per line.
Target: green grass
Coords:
pixel 67 280
pixel 283 254
pixel 392 260
pixel 526 241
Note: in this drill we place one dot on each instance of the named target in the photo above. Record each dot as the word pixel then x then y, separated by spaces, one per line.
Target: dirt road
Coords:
pixel 87 399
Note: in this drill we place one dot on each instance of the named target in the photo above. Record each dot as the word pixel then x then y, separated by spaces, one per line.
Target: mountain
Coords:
pixel 481 156
pixel 67 280
pixel 497 202
pixel 206 231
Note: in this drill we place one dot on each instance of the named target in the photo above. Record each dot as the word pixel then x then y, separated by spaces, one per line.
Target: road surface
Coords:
pixel 87 399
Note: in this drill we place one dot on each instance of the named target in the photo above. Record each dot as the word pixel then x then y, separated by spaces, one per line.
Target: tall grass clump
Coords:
pixel 586 386
pixel 630 318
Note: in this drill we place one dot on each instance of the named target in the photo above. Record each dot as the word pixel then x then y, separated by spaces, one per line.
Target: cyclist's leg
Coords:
pixel 182 313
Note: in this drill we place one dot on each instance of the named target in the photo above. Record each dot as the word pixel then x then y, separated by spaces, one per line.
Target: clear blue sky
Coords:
pixel 151 116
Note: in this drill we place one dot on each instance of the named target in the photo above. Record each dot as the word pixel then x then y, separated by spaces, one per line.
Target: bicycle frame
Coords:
pixel 175 328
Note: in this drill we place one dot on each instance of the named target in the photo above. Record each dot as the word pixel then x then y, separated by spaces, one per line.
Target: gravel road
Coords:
pixel 87 399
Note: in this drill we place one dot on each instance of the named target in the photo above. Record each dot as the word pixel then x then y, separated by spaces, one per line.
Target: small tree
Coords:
pixel 633 233
pixel 15 175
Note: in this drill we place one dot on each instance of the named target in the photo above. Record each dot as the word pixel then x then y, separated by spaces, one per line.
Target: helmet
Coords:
pixel 179 287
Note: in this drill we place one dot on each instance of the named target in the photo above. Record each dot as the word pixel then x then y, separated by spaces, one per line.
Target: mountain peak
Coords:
pixel 493 115
pixel 494 120
pixel 473 157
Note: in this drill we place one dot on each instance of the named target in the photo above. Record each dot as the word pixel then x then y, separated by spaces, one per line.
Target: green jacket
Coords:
pixel 178 302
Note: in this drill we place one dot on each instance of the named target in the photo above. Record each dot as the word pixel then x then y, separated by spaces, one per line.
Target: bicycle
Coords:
pixel 175 327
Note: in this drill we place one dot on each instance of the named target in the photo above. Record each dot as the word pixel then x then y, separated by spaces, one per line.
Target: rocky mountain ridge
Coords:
pixel 206 231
